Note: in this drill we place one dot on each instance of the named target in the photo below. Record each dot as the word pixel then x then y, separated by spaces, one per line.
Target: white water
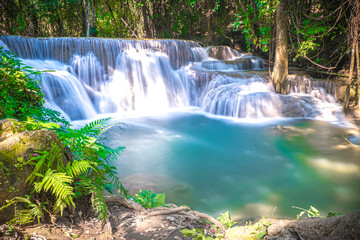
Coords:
pixel 97 76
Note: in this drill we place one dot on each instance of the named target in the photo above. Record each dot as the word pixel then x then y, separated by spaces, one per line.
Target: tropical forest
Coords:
pixel 179 119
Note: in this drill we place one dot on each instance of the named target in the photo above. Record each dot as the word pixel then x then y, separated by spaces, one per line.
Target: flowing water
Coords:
pixel 201 123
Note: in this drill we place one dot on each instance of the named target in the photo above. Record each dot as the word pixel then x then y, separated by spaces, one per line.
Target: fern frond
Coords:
pixel 75 168
pixel 99 203
pixel 59 206
pixel 95 128
pixel 11 202
pixel 26 215
pixel 44 161
pixel 58 183
pixel 40 161
pixel 22 217
pixel 36 212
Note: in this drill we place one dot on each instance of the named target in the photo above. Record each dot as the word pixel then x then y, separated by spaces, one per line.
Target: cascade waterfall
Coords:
pixel 94 76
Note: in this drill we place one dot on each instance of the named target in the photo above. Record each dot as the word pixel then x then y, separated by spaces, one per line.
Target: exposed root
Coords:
pixel 164 210
pixel 125 202
pixel 209 218
pixel 167 211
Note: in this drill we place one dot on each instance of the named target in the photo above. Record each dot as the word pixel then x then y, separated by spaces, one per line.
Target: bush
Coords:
pixel 20 93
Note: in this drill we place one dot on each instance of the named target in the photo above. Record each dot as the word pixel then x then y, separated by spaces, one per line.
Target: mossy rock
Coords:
pixel 16 148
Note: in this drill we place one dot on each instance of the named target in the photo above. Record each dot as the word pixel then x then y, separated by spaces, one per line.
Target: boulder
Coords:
pixel 16 148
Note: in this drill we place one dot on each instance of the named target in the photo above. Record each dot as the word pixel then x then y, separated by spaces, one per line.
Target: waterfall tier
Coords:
pixel 94 76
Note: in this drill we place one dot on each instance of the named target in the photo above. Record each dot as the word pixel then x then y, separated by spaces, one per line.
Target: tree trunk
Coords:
pixel 280 70
pixel 357 73
pixel 86 7
pixel 145 13
pixel 351 74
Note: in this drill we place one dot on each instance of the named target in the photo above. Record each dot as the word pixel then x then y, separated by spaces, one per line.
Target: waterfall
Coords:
pixel 93 76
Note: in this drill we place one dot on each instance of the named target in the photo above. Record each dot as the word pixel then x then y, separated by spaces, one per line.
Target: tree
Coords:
pixel 354 39
pixel 280 70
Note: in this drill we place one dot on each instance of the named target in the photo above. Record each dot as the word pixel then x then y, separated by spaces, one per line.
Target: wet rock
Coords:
pixel 222 52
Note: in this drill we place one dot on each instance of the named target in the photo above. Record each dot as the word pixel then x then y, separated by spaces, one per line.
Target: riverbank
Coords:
pixel 132 223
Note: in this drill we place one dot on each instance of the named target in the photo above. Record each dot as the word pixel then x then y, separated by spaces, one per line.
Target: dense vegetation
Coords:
pixel 316 33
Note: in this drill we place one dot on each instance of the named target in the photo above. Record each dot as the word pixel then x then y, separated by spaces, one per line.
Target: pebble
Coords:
pixel 170 218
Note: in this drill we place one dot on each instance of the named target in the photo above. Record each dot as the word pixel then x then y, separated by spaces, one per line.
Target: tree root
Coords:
pixel 125 202
pixel 166 211
pixel 209 218
pixel 163 210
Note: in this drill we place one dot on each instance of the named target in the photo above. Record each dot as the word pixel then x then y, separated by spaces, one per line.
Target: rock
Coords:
pixel 222 53
pixel 170 218
pixel 279 128
pixel 16 148
pixel 337 227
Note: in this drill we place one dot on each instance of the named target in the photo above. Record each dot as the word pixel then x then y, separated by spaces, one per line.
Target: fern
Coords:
pixel 59 184
pixel 44 162
pixel 96 128
pixel 76 168
pixel 90 168
pixel 24 216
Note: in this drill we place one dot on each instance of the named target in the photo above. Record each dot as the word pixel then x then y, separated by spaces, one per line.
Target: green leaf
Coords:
pixel 260 235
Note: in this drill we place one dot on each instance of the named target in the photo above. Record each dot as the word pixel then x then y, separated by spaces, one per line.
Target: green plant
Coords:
pixel 312 212
pixel 86 147
pixel 226 221
pixel 150 200
pixel 334 213
pixel 260 228
pixel 88 173
pixel 29 214
pixel 20 93
pixel 196 233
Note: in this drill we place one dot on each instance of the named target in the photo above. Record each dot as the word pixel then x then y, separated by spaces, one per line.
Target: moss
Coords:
pixel 15 149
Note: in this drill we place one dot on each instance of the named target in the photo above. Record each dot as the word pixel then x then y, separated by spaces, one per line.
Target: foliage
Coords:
pixel 150 200
pixel 311 212
pixel 29 214
pixel 196 233
pixel 334 213
pixel 20 93
pixel 260 228
pixel 226 221
pixel 255 22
